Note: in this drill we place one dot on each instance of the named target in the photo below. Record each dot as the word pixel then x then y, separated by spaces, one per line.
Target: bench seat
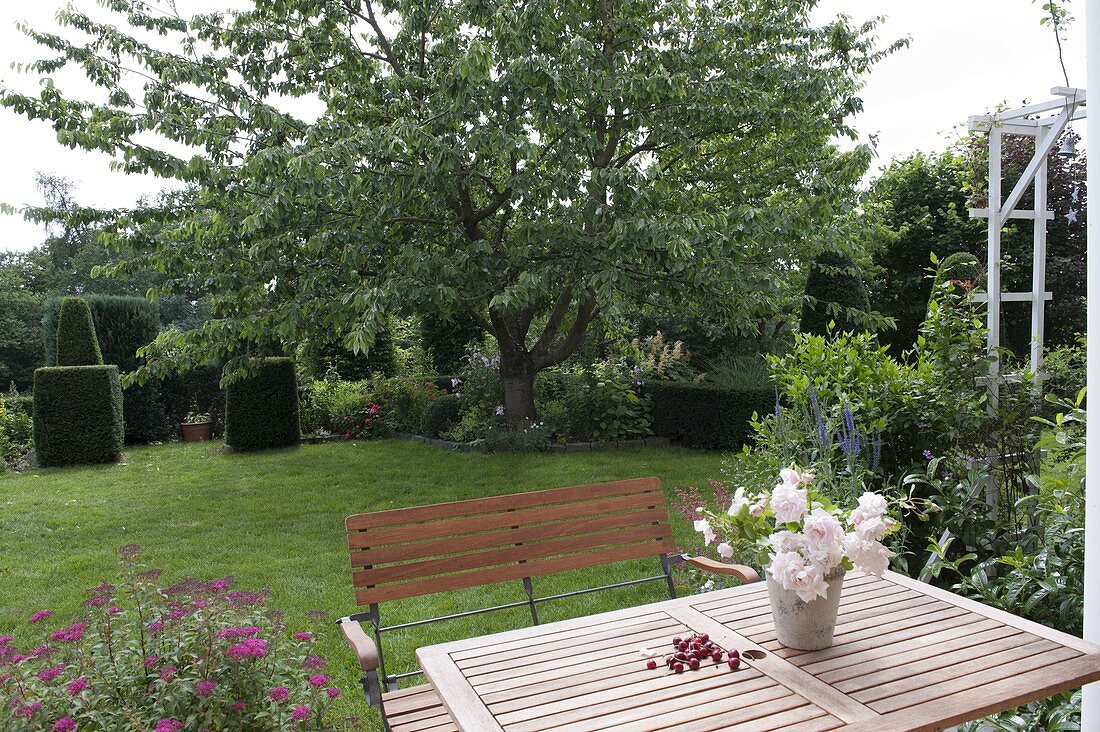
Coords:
pixel 417 709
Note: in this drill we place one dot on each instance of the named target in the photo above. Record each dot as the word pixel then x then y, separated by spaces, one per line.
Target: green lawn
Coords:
pixel 275 520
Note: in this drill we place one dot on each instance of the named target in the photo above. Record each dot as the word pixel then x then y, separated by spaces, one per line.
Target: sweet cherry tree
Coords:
pixel 527 165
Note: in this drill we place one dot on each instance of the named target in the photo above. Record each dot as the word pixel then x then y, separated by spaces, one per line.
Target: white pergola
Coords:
pixel 1067 106
pixel 1090 714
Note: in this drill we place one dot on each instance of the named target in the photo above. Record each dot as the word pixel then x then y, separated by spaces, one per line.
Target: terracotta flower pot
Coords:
pixel 806 626
pixel 197 431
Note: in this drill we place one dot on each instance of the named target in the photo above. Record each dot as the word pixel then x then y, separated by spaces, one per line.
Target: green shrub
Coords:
pixel 16 426
pixel 261 408
pixel 833 290
pixel 75 336
pixel 404 401
pixel 440 417
pixel 77 414
pixel 122 326
pixel 705 416
pixel 327 405
pixel 961 266
pixel 617 411
pixel 447 340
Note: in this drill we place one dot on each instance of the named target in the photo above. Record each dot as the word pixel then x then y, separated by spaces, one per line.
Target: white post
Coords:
pixel 1090 713
pixel 1039 257
pixel 993 263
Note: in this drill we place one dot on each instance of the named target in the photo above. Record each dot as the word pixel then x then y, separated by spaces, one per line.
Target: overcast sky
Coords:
pixel 966 56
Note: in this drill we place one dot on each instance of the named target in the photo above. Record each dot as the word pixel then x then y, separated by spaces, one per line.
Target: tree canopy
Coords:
pixel 528 165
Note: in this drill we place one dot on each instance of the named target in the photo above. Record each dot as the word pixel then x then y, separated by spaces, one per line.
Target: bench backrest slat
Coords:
pixel 403 553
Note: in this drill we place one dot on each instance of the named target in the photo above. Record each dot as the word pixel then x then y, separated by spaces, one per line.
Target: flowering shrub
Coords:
pixel 799 535
pixel 194 656
pixel 364 423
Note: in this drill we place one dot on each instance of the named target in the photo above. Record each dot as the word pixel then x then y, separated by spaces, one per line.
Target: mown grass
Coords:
pixel 275 520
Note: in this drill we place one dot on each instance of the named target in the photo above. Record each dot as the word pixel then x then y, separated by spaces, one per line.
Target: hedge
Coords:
pixel 77 415
pixel 261 409
pixel 705 416
pixel 447 340
pixel 122 326
pixel 833 278
pixel 74 336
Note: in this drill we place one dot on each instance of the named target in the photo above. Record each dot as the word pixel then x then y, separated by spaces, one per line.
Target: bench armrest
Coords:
pixel 740 571
pixel 361 643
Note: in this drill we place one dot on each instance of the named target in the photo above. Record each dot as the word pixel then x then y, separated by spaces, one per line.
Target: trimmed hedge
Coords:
pixel 75 336
pixel 447 340
pixel 261 410
pixel 77 415
pixel 122 326
pixel 833 278
pixel 706 416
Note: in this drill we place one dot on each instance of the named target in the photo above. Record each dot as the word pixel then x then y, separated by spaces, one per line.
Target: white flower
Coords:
pixel 739 502
pixel 872 505
pixel 788 503
pixel 786 541
pixel 707 586
pixel 725 550
pixel 790 570
pixel 756 510
pixel 790 477
pixel 500 411
pixel 871 529
pixel 822 530
pixel 826 557
pixel 870 556
pixel 703 526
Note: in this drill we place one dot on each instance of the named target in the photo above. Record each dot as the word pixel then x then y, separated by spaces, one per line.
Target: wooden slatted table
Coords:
pixel 906 656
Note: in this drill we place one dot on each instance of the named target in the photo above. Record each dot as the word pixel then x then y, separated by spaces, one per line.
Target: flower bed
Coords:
pixel 195 655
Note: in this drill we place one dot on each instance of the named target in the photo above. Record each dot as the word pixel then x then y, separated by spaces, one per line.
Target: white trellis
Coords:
pixel 1068 106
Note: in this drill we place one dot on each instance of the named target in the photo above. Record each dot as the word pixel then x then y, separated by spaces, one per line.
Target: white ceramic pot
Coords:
pixel 806 626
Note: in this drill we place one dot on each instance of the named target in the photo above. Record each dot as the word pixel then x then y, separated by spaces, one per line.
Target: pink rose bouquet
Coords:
pixel 798 535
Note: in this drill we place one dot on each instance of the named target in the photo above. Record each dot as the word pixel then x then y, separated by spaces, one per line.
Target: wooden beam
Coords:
pixel 1031 109
pixel 983 213
pixel 1041 152
pixel 1012 296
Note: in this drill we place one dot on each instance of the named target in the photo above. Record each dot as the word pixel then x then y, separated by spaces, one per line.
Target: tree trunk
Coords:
pixel 517 374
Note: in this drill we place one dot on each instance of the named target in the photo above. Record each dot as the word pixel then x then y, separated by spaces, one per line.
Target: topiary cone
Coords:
pixel 77 344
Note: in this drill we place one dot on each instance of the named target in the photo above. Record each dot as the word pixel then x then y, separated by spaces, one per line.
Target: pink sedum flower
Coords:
pixel 169 725
pixel 279 694
pixel 318 680
pixel 65 724
pixel 300 713
pixel 248 648
pixel 167 674
pixel 304 636
pixel 52 673
pixel 238 706
pixel 205 688
pixel 77 686
pixel 41 615
pixel 332 692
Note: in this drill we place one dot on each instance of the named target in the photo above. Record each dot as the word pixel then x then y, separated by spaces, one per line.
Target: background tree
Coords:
pixel 917 207
pixel 531 165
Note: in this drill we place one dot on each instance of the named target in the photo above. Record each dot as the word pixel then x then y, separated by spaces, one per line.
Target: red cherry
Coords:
pixel 676 640
pixel 651 664
pixel 683 646
pixel 716 656
pixel 733 653
pixel 678 667
pixel 694 663
pixel 704 638
pixel 734 663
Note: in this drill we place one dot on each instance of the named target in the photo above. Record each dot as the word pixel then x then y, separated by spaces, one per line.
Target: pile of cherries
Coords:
pixel 691 652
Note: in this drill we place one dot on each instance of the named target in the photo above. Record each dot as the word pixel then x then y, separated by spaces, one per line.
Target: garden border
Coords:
pixel 481 447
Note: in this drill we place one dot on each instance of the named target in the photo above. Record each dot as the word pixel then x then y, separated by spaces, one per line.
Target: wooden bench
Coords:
pixel 412 552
